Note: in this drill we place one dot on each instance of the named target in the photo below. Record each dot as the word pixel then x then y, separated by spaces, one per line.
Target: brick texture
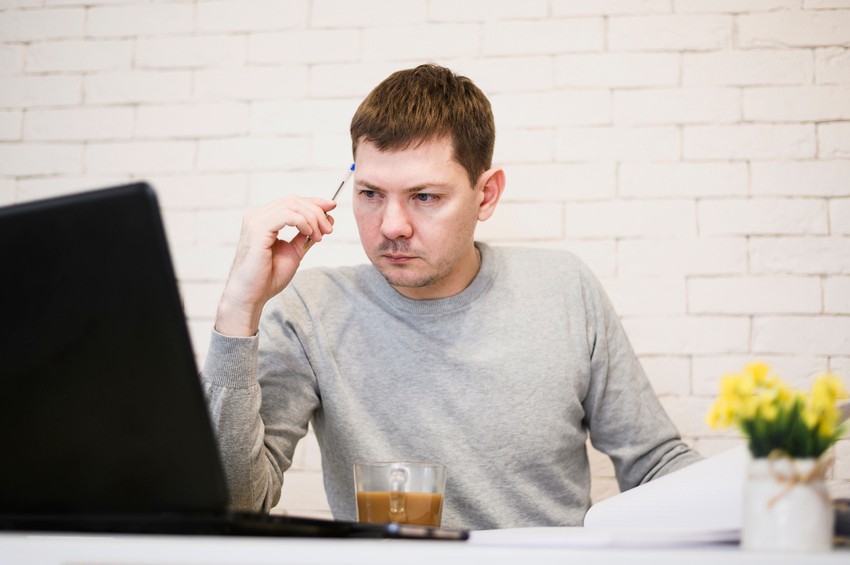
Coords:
pixel 694 153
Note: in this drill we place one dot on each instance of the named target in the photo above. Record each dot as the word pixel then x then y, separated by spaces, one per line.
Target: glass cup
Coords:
pixel 404 492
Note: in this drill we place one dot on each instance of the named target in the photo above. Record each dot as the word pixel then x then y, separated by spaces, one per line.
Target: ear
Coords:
pixel 492 186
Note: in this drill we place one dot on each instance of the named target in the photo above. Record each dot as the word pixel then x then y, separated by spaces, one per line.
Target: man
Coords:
pixel 494 361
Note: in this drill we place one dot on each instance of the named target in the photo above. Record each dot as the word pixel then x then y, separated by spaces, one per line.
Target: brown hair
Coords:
pixel 428 102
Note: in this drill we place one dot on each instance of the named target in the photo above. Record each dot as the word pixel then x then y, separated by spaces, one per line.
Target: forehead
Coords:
pixel 427 163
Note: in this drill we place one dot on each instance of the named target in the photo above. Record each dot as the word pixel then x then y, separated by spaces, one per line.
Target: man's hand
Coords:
pixel 264 264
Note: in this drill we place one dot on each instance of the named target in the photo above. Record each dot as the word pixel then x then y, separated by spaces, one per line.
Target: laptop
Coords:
pixel 103 421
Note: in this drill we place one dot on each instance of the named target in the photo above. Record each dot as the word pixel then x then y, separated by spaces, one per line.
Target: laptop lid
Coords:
pixel 101 407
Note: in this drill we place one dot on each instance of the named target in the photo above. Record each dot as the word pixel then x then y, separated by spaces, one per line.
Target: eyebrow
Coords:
pixel 412 189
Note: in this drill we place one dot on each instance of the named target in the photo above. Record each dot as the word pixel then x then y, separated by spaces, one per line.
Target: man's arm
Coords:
pixel 264 265
pixel 625 418
pixel 233 396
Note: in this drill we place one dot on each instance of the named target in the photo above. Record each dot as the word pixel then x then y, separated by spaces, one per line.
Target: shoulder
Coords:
pixel 556 274
pixel 324 282
pixel 535 262
pixel 318 288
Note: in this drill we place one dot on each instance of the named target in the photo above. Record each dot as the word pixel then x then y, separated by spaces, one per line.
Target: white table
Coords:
pixel 31 549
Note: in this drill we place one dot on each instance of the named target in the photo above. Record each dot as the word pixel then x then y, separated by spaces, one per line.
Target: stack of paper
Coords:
pixel 702 503
pixel 706 496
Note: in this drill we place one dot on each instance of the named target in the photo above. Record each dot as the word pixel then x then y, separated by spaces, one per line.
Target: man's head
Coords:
pixel 423 145
pixel 423 104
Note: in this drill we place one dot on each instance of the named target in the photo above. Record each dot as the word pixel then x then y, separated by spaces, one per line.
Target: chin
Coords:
pixel 401 278
pixel 402 281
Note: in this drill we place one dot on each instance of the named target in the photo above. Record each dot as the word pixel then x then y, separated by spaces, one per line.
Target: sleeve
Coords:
pixel 624 417
pixel 261 393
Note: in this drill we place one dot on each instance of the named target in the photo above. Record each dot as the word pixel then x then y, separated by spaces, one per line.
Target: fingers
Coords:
pixel 307 215
pixel 264 263
pixel 303 243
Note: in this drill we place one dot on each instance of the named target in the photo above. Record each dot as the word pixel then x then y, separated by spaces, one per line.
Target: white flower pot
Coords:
pixel 787 506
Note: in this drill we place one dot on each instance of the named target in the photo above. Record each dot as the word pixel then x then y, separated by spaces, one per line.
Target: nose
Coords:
pixel 395 222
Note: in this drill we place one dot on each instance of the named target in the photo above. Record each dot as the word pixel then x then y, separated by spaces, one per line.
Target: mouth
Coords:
pixel 398 259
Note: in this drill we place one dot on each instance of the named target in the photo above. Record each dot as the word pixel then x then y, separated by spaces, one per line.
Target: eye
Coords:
pixel 425 197
pixel 369 194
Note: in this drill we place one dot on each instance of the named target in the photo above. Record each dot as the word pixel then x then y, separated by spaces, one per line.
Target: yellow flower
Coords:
pixel 713 418
pixel 768 405
pixel 758 372
pixel 746 384
pixel 821 411
pixel 774 416
pixel 729 385
pixel 720 415
pixel 827 388
pixel 749 407
pixel 784 394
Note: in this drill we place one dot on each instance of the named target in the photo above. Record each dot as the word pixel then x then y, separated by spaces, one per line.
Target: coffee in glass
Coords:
pixel 404 492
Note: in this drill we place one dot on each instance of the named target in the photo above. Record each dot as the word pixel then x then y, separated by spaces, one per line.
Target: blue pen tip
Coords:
pixel 352 167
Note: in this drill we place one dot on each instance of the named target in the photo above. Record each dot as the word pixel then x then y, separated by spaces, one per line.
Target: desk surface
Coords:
pixel 35 549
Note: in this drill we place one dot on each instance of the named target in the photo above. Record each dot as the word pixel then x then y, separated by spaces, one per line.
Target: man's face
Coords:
pixel 416 213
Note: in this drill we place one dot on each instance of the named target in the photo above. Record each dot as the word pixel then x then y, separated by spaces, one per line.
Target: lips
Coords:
pixel 398 258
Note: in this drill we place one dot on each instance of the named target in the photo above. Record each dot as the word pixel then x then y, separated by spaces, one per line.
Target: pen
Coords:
pixel 344 180
pixel 333 198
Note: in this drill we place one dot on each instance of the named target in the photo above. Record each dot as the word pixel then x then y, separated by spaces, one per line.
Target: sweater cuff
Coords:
pixel 231 361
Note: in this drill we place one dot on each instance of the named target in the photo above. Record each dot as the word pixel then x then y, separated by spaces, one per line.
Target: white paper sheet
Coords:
pixel 700 504
pixel 706 496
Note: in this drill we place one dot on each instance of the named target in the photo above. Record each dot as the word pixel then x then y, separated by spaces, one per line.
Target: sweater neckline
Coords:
pixel 479 285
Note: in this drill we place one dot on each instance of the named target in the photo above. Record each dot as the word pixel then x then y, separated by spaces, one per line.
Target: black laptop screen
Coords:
pixel 101 408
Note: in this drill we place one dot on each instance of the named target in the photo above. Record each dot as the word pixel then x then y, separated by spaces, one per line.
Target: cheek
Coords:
pixel 366 221
pixel 460 217
pixel 447 228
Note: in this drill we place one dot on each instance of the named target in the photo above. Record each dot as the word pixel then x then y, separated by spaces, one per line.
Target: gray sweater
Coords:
pixel 502 383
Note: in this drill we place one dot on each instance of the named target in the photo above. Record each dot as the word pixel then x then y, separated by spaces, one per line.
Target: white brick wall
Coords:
pixel 184 51
pixel 34 91
pixel 790 28
pixel 80 124
pixel 695 153
pixel 250 15
pixel 745 68
pixel 140 20
pixel 834 140
pixel 10 124
pixel 203 119
pixel 136 86
pixel 732 295
pixel 762 216
pixel 59 56
pixel 750 141
pixel 669 33
pixel 617 69
pixel 140 157
pixel 801 178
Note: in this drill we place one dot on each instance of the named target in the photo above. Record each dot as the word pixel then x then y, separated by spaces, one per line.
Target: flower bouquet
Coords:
pixel 786 504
